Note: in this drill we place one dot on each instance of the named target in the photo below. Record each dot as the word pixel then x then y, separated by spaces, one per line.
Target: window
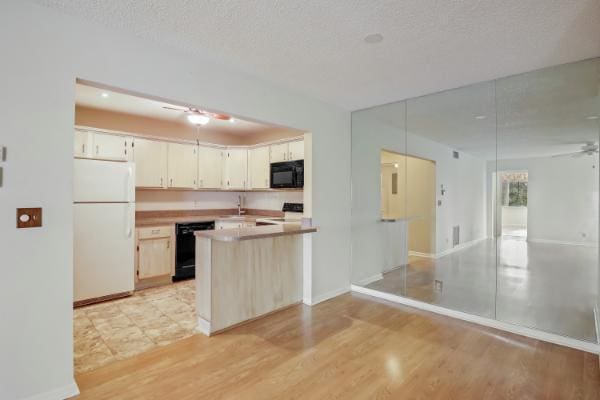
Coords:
pixel 514 189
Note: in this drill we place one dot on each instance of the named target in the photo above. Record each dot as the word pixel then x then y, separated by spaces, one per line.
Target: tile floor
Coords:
pixel 121 328
pixel 551 287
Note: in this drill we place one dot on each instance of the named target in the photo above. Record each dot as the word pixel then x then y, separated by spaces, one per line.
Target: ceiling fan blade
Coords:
pixel 175 109
pixel 222 117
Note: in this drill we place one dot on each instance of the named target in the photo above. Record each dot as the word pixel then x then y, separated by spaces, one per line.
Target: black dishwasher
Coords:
pixel 185 249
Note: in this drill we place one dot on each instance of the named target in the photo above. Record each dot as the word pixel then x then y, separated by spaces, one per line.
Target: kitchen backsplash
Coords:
pixel 147 200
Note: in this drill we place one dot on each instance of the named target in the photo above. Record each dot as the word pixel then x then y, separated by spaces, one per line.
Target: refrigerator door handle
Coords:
pixel 128 230
pixel 128 183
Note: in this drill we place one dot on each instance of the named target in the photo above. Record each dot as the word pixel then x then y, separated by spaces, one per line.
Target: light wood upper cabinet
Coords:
pixel 296 150
pixel 82 143
pixel 259 168
pixel 154 252
pixel 210 168
pixel 279 152
pixel 290 151
pixel 111 147
pixel 182 165
pixel 150 158
pixel 235 170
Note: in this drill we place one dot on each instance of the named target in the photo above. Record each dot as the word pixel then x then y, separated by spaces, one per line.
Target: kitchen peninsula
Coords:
pixel 246 273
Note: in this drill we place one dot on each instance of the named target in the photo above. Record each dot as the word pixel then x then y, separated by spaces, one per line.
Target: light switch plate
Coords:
pixel 29 217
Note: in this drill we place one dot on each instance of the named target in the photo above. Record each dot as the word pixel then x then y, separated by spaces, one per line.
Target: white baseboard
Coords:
pixel 369 279
pixel 203 326
pixel 492 323
pixel 597 322
pixel 326 296
pixel 454 249
pixel 60 393
pixel 549 241
pixel 419 254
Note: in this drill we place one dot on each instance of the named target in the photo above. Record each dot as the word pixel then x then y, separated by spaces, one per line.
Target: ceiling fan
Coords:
pixel 199 117
pixel 587 149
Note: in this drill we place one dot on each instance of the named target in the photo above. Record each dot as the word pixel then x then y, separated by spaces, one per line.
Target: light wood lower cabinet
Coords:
pixel 155 256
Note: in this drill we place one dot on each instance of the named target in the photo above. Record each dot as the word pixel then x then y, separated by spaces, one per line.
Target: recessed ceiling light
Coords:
pixel 396 165
pixel 480 116
pixel 232 120
pixel 592 117
pixel 373 38
pixel 198 119
pixel 104 95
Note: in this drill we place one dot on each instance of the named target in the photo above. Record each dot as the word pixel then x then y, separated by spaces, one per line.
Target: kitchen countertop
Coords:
pixel 258 232
pixel 158 221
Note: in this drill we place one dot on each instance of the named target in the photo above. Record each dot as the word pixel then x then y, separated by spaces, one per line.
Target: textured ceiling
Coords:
pixel 89 96
pixel 317 47
pixel 540 113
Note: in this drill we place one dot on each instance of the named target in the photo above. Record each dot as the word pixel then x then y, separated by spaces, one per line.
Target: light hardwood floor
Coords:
pixel 351 347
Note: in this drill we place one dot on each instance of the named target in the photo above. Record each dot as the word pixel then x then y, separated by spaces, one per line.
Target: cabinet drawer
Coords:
pixel 154 232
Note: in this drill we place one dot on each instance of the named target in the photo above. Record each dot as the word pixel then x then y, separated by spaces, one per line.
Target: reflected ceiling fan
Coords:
pixel 200 117
pixel 587 149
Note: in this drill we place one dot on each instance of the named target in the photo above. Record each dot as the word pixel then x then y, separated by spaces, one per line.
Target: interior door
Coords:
pixel 259 167
pixel 210 167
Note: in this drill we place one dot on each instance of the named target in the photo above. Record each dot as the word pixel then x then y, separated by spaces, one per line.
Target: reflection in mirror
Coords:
pixel 485 199
pixel 378 232
pixel 547 199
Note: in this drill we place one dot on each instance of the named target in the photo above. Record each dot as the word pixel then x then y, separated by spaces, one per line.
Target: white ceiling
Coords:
pixel 317 46
pixel 540 113
pixel 89 96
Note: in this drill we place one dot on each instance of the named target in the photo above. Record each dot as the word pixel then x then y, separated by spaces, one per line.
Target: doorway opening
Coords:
pixel 513 203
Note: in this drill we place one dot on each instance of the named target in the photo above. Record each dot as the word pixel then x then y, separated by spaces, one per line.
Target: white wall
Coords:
pixel 463 203
pixel 43 52
pixel 562 197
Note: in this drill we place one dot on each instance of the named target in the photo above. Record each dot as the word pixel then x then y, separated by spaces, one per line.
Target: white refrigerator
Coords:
pixel 104 220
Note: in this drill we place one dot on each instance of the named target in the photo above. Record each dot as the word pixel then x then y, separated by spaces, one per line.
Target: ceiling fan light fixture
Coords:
pixel 198 119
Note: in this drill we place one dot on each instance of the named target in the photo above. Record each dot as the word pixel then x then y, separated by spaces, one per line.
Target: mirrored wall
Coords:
pixel 484 199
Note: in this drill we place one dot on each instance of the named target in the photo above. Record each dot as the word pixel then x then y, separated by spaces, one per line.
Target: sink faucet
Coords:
pixel 240 201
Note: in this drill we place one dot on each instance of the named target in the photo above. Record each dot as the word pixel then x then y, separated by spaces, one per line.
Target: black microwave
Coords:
pixel 288 174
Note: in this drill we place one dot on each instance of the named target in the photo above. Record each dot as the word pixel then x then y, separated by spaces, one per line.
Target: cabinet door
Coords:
pixel 296 150
pixel 210 168
pixel 150 158
pixel 154 257
pixel 82 143
pixel 110 147
pixel 236 169
pixel 258 167
pixel 279 152
pixel 182 165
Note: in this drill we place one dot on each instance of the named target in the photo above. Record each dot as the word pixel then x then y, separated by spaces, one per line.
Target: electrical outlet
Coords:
pixel 438 285
pixel 29 217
